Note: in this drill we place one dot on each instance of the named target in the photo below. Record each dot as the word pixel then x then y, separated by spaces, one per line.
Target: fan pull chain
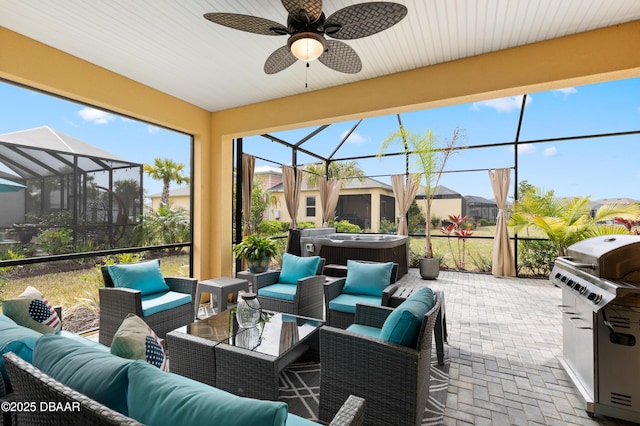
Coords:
pixel 306 76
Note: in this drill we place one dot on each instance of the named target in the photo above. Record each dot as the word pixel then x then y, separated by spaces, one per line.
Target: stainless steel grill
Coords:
pixel 600 281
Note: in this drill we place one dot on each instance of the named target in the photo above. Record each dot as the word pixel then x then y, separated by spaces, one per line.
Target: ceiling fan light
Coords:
pixel 306 46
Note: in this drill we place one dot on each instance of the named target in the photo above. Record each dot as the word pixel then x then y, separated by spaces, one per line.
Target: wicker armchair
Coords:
pixel 33 386
pixel 333 288
pixel 117 302
pixel 308 297
pixel 393 379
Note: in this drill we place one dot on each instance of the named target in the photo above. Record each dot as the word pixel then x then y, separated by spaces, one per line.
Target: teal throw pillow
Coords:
pixel 367 278
pixel 143 276
pixel 31 309
pixel 403 325
pixel 86 369
pixel 152 392
pixel 295 268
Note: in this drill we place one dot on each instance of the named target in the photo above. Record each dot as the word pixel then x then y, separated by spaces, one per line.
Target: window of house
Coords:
pixel 311 206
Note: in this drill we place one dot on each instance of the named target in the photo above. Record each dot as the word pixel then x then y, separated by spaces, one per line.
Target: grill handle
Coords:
pixel 578 264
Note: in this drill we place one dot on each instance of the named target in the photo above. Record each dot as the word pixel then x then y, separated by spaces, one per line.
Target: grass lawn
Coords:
pixel 79 288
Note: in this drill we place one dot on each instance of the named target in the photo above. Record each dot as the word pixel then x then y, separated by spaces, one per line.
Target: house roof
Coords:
pixel 439 192
pixel 176 192
pixel 43 151
pixel 365 183
pixel 170 46
pixel 476 199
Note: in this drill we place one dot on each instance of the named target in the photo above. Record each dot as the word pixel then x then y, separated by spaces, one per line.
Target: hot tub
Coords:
pixel 336 248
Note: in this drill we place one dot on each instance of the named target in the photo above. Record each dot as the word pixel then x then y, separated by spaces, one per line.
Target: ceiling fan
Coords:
pixel 307 27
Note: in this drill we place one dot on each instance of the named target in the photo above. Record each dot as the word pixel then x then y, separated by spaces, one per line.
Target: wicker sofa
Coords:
pixel 393 378
pixel 92 386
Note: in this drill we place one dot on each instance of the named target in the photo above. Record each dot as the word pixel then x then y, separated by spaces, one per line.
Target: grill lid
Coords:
pixel 612 257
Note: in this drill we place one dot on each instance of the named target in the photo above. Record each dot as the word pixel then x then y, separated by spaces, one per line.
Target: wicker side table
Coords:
pixel 221 287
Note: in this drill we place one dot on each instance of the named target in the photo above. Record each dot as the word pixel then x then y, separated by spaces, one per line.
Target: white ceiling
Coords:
pixel 168 45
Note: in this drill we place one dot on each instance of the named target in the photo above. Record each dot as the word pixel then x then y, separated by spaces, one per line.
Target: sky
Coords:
pixel 597 167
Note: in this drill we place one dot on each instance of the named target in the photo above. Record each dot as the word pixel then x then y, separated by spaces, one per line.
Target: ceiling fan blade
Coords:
pixel 364 19
pixel 312 8
pixel 279 60
pixel 251 24
pixel 341 57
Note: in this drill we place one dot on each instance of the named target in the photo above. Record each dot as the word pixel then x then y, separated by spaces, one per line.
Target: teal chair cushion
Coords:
pixel 366 330
pixel 158 302
pixel 86 369
pixel 347 302
pixel 367 278
pixel 143 276
pixel 402 326
pixel 279 291
pixel 295 268
pixel 17 339
pixel 160 399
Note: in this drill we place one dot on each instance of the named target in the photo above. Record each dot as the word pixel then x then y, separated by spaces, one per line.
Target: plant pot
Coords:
pixel 259 265
pixel 429 268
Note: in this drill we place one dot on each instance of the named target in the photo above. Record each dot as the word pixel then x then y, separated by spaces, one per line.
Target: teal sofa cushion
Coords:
pixel 143 276
pixel 347 302
pixel 293 420
pixel 177 400
pixel 296 267
pixel 365 330
pixel 87 342
pixel 158 302
pixel 279 291
pixel 93 372
pixel 402 326
pixel 17 339
pixel 367 278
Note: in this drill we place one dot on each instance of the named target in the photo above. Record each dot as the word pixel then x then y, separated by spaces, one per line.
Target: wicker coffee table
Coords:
pixel 246 362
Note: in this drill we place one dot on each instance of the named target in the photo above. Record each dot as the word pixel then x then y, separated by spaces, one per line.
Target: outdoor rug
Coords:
pixel 300 388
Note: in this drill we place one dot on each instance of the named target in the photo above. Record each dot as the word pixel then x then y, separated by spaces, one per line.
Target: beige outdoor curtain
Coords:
pixel 502 256
pixel 291 181
pixel 329 194
pixel 248 164
pixel 404 197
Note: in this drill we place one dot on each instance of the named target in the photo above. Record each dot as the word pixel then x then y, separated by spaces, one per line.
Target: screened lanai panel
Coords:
pixel 582 110
pixel 50 164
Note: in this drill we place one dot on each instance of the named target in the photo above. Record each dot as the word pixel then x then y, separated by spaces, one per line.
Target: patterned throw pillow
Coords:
pixel 136 340
pixel 31 309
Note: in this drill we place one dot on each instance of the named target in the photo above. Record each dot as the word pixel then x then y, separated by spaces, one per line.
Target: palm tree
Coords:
pixel 167 171
pixel 565 221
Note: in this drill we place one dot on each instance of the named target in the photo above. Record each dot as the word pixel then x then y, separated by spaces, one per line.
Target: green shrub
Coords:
pixel 486 222
pixel 305 225
pixel 272 227
pixel 56 241
pixel 346 227
pixel 482 263
pixel 534 257
pixel 387 227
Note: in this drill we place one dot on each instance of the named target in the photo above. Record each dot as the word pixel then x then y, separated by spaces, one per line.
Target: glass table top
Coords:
pixel 274 334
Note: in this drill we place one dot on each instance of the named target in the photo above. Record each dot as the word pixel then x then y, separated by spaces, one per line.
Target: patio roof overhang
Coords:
pixel 594 56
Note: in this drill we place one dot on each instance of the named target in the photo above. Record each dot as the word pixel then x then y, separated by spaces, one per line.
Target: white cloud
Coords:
pixel 550 152
pixel 567 90
pixel 525 148
pixel 354 137
pixel 95 116
pixel 502 104
pixel 152 130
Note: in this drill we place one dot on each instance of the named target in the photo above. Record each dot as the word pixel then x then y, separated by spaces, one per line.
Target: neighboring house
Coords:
pixel 479 208
pixel 445 202
pixel 178 198
pixel 363 203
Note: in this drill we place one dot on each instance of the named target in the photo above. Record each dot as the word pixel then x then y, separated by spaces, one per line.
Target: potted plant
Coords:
pixel 429 158
pixel 257 251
